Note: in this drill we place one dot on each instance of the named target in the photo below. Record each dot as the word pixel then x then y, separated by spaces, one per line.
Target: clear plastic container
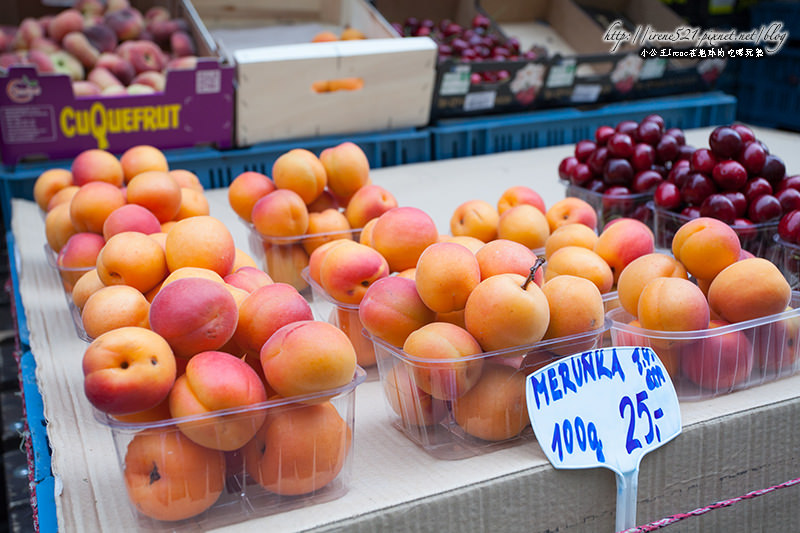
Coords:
pixel 786 257
pixel 68 275
pixel 299 455
pixel 284 258
pixel 609 208
pixel 756 239
pixel 457 428
pixel 709 362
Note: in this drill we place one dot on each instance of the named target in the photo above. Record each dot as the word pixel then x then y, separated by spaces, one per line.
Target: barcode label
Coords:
pixel 478 101
pixel 583 93
pixel 208 81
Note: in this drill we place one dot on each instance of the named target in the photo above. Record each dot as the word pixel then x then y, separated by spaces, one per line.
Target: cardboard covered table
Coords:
pixel 730 445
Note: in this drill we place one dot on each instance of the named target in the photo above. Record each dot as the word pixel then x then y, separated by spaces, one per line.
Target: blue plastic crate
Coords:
pixel 769 90
pixel 469 137
pixel 787 12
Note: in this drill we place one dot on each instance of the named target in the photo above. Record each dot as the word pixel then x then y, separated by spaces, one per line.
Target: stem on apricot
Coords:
pixel 539 262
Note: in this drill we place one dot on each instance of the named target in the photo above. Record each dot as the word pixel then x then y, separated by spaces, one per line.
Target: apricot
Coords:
pixel 776 344
pixel 245 190
pixel 242 259
pixel 215 381
pixel 494 409
pixel 581 262
pixel 92 204
pixel 392 308
pixel 368 203
pixel 414 406
pixel 748 289
pixel 58 227
pixel 576 306
pixel 48 184
pixel 505 311
pixel 78 255
pixel 520 194
pixel 113 307
pixel 672 304
pixel 448 368
pixel 326 200
pixel 475 218
pixel 281 213
pixel 718 362
pixel 325 226
pixel 623 241
pixel 472 243
pixel 192 272
pixel 352 34
pixel 401 234
pixel 201 241
pixel 705 246
pixel 130 217
pixel 503 256
pixel 248 278
pixel 571 210
pixel 570 235
pixel 96 165
pixel 300 449
pixel 347 168
pixel 285 263
pixel 157 191
pixel 171 478
pixel 193 203
pixel 186 179
pixel 301 171
pixel 640 272
pixel 132 258
pixel 64 195
pixel 318 255
pixel 324 36
pixel 194 315
pixel 348 321
pixel 347 271
pixel 142 158
pixel 446 273
pixel 86 285
pixel 524 224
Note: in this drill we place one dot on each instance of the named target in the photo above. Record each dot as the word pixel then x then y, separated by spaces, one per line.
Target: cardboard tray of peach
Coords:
pixel 453 320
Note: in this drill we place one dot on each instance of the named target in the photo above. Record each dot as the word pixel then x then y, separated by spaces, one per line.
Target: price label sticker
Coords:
pixel 603 408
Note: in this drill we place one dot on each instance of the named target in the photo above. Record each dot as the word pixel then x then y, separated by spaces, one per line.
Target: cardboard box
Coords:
pixel 41 118
pixel 278 68
pixel 580 67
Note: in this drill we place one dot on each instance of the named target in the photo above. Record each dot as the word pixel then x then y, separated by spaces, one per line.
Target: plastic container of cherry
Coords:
pixel 220 468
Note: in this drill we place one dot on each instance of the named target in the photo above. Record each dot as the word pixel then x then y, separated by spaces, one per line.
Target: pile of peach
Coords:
pixel 728 287
pixel 308 201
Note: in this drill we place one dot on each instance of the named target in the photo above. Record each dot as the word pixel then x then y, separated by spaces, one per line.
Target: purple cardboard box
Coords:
pixel 40 118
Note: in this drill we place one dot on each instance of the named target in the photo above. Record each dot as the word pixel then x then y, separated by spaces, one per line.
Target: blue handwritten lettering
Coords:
pixel 551 377
pixel 567 383
pixel 601 370
pixel 539 387
pixel 588 366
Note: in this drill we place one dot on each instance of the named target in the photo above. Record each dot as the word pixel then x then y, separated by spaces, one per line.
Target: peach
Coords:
pixel 63 23
pixel 348 270
pixel 87 284
pixel 475 218
pixel 392 308
pixel 78 255
pixel 505 311
pixel 494 409
pixel 446 275
pixel 748 289
pixel 285 263
pixel 193 203
pixel 186 179
pixel 520 194
pixel 301 171
pixel 581 262
pixel 132 258
pixel 307 357
pixel 58 227
pixel 281 213
pixel 367 203
pixel 150 78
pixel 91 205
pixel 113 307
pixel 448 369
pixel 245 190
pixel 130 217
pixel 622 242
pixel 201 241
pixel 504 256
pixel 248 278
pixel 347 168
pixel 96 165
pixel 414 406
pixel 524 224
pixel 216 381
pixel 571 210
pixel 471 243
pixel 62 196
pixel 718 362
pixel 127 369
pixel 570 235
pixel 325 226
pixel 401 234
pixel 705 246
pixel 640 272
pixel 194 315
pixel 77 44
pixel 127 22
pixel 576 306
pixel 105 80
pixel 299 449
pixel 48 184
pixel 672 304
pixel 171 478
pixel 266 310
pixel 157 191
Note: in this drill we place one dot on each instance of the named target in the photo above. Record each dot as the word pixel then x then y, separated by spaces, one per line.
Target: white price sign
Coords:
pixel 604 408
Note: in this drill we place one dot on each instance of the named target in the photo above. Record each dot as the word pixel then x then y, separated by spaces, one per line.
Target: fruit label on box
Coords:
pixel 479 100
pixel 653 69
pixel 605 407
pixel 455 81
pixel 584 93
pixel 561 75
